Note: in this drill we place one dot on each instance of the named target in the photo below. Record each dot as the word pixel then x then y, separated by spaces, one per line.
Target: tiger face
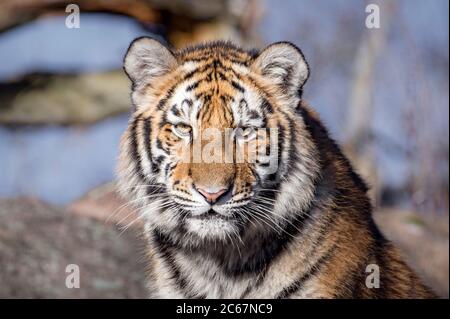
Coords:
pixel 213 137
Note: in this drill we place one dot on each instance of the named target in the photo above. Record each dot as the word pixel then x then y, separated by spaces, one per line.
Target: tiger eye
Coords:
pixel 183 129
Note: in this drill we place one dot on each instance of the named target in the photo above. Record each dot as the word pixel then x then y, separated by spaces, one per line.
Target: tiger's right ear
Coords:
pixel 146 60
pixel 285 66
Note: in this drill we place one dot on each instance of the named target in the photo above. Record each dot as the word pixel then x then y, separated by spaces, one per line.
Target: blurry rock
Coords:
pixel 196 9
pixel 202 32
pixel 235 21
pixel 38 241
pixel 104 204
pixel 64 99
pixel 14 12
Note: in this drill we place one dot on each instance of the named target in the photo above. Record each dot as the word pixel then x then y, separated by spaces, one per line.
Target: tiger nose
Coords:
pixel 211 197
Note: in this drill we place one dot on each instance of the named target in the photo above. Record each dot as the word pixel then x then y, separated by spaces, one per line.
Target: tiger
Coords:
pixel 295 222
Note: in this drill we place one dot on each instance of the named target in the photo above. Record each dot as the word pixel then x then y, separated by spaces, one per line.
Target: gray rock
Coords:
pixel 38 241
pixel 64 99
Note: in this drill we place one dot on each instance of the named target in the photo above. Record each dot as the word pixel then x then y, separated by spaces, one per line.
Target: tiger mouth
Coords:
pixel 209 215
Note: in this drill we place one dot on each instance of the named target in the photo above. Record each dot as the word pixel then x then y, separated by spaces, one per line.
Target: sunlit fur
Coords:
pixel 304 230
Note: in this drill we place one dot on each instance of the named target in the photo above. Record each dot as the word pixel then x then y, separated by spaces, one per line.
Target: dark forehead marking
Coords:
pixel 193 86
pixel 213 65
pixel 215 58
pixel 254 115
pixel 237 86
pixel 188 102
pixel 177 109
pixel 162 102
pixel 226 98
pixel 207 95
pixel 266 106
pixel 228 56
pixel 223 49
pixel 208 109
pixel 174 109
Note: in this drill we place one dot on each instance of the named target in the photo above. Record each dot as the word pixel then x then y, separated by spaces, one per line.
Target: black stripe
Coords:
pixel 185 199
pixel 135 150
pixel 188 102
pixel 227 97
pixel 147 141
pixel 266 106
pixel 168 95
pixel 314 269
pixel 293 156
pixel 166 169
pixel 164 251
pixel 254 115
pixel 193 86
pixel 223 50
pixel 274 177
pixel 215 64
pixel 350 284
pixel 160 146
pixel 221 76
pixel 191 74
pixel 175 111
pixel 157 163
pixel 254 285
pixel 237 86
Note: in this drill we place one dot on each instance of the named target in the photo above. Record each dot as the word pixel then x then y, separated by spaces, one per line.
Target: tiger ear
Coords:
pixel 146 60
pixel 284 65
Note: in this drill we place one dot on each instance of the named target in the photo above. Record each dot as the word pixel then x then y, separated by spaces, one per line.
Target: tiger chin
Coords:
pixel 287 218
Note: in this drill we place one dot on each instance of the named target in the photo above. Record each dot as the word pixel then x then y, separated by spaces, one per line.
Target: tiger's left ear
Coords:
pixel 147 59
pixel 284 65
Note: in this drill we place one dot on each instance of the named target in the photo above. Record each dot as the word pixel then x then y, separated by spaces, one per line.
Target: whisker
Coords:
pixel 265 215
pixel 125 205
pixel 126 217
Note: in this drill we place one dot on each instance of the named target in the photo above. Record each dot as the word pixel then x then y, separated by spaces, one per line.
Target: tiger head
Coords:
pixel 215 145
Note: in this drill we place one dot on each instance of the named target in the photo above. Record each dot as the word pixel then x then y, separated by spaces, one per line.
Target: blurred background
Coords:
pixel 64 102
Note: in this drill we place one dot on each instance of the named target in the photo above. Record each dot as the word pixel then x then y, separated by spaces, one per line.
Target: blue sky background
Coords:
pixel 411 97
